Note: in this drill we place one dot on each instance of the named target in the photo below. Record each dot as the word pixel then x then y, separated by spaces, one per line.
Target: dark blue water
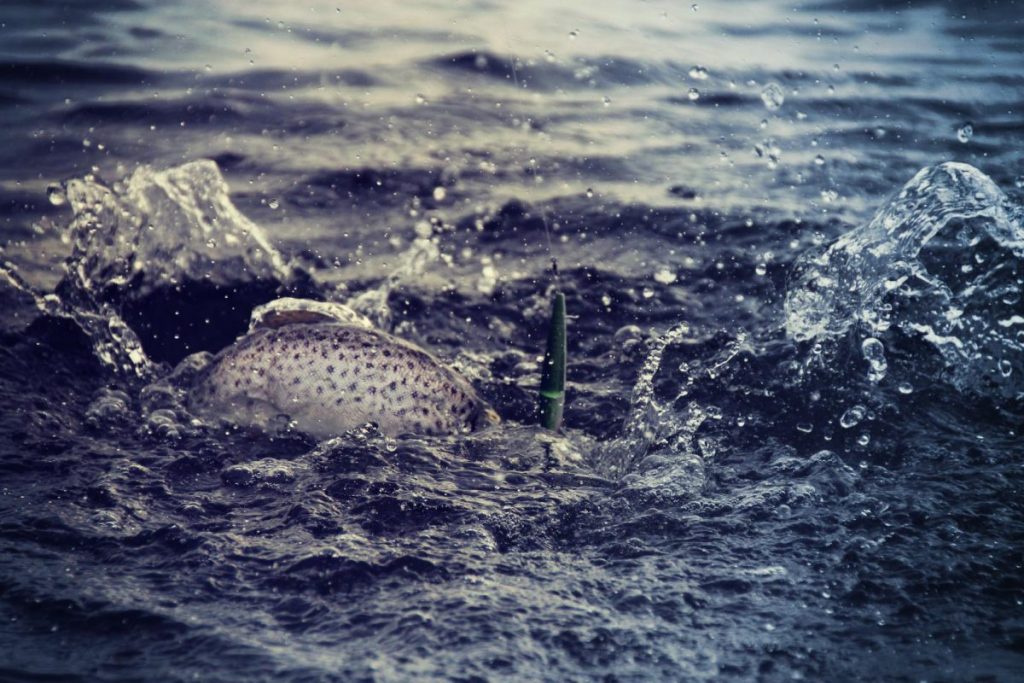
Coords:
pixel 792 442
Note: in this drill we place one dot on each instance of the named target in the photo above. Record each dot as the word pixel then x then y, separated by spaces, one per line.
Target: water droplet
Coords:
pixel 773 96
pixel 439 194
pixel 853 416
pixel 1005 368
pixel 55 193
pixel 606 101
pixel 698 73
pixel 648 293
pixel 874 354
pixel 606 300
pixel 819 160
pixel 693 94
pixel 274 204
pixel 573 34
pixel 694 7
pixel 420 99
pixel 905 388
pixel 829 196
pixel 964 132
pixel 665 276
pixel 590 193
pixel 761 269
pixel 864 439
pixel 805 427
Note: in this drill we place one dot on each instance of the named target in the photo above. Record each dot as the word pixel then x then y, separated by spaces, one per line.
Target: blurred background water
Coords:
pixel 791 446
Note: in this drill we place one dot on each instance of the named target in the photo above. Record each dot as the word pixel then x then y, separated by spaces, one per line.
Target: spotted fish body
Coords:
pixel 330 377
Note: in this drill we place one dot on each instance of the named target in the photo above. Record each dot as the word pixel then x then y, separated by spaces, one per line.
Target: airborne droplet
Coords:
pixel 773 96
pixel 853 416
pixel 55 193
pixel 965 132
pixel 874 354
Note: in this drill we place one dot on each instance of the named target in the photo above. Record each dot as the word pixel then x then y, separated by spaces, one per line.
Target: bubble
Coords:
pixel 698 73
pixel 905 388
pixel 853 416
pixel 864 439
pixel 693 94
pixel 874 354
pixel 55 193
pixel 965 132
pixel 773 96
pixel 1005 368
pixel 805 427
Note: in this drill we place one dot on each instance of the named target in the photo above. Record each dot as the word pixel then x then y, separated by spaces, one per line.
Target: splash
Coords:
pixel 163 227
pixel 655 452
pixel 373 303
pixel 942 262
pixel 149 234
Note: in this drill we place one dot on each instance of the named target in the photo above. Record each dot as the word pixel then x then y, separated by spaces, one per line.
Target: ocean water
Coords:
pixel 791 239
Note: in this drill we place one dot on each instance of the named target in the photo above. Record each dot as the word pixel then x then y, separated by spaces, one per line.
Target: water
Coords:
pixel 791 446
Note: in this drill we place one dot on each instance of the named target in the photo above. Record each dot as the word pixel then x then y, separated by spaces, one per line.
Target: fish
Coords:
pixel 327 370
